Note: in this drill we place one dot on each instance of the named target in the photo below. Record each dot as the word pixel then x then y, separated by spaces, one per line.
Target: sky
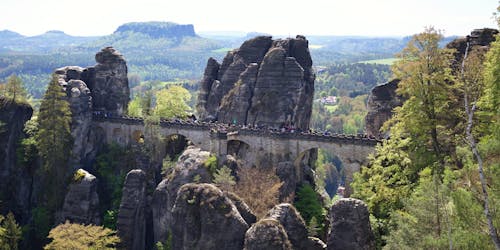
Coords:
pixel 277 17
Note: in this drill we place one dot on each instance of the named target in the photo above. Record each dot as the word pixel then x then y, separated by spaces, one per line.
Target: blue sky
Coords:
pixel 277 17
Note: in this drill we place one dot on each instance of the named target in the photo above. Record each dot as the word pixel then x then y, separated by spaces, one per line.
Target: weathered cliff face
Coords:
pixel 81 204
pixel 102 88
pixel 188 168
pixel 265 82
pixel 110 91
pixel 382 100
pixel 131 223
pixel 267 234
pixel 479 38
pixel 204 218
pixel 350 225
pixel 16 184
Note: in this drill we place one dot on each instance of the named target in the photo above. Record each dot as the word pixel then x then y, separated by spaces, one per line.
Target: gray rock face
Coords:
pixel 110 89
pixel 382 100
pixel 479 38
pixel 265 82
pixel 242 208
pixel 288 175
pixel 103 88
pixel 204 218
pixel 81 204
pixel 188 168
pixel 350 225
pixel 80 101
pixel 15 187
pixel 267 234
pixel 131 223
pixel 292 222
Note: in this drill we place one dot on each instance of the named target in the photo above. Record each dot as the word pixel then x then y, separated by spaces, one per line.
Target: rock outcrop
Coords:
pixel 288 175
pixel 189 168
pixel 295 227
pixel 382 100
pixel 350 225
pixel 80 101
pixel 293 224
pixel 110 90
pixel 131 222
pixel 263 83
pixel 267 234
pixel 478 38
pixel 159 29
pixel 102 88
pixel 242 208
pixel 204 218
pixel 81 204
pixel 16 184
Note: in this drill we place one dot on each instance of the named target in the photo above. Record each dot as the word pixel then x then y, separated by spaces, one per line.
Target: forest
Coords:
pixel 432 183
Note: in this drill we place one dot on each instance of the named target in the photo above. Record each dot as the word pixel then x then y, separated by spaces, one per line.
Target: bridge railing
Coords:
pixel 222 131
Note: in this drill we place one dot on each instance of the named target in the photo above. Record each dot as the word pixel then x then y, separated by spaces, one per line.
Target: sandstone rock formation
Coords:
pixel 16 184
pixel 204 218
pixel 293 224
pixel 242 208
pixel 479 38
pixel 295 227
pixel 110 90
pixel 382 100
pixel 131 223
pixel 159 29
pixel 264 82
pixel 189 168
pixel 350 225
pixel 81 204
pixel 267 234
pixel 288 175
pixel 102 88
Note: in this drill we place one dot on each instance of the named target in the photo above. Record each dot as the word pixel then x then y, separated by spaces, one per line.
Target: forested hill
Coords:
pixel 162 51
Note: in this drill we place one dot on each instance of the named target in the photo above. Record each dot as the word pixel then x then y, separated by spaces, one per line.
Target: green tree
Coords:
pixel 54 141
pixel 425 72
pixel 224 179
pixel 10 232
pixel 172 102
pixel 308 203
pixel 76 236
pixel 489 144
pixel 472 83
pixel 424 223
pixel 14 89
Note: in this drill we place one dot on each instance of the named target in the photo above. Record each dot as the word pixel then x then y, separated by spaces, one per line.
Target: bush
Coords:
pixel 259 188
pixel 308 203
pixel 76 236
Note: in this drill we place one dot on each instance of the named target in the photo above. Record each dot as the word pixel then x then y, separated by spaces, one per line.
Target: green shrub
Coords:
pixel 308 203
pixel 211 164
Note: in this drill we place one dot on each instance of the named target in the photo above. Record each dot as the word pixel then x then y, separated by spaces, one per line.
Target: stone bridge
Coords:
pixel 261 147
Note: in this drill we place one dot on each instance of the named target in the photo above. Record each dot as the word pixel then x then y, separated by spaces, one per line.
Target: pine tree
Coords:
pixel 14 89
pixel 224 179
pixel 11 233
pixel 54 140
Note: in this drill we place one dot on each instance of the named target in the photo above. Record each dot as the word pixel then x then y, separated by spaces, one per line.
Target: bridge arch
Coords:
pixel 174 144
pixel 137 136
pixel 238 149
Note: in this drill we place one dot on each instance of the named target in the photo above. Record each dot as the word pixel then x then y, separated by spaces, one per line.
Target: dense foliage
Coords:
pixel 54 142
pixel 421 185
pixel 76 236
